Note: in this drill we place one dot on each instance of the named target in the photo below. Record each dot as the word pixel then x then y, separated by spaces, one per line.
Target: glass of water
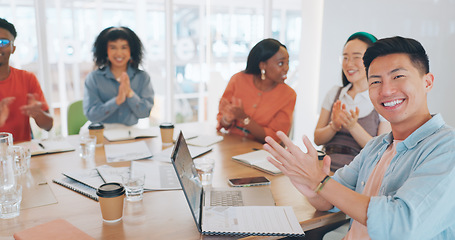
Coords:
pixel 21 157
pixel 10 202
pixel 204 167
pixel 133 181
pixel 87 146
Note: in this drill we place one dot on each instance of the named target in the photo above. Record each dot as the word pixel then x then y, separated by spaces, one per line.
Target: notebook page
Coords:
pixel 250 219
pixel 126 151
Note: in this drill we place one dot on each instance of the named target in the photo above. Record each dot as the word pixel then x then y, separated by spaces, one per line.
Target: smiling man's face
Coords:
pixel 8 49
pixel 398 90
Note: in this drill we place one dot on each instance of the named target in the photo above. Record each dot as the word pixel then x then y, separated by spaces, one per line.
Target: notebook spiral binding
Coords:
pixel 77 187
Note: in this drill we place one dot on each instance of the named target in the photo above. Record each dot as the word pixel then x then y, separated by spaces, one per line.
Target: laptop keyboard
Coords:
pixel 226 198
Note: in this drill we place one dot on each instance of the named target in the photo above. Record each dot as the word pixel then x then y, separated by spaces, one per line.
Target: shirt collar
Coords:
pixel 428 128
pixel 344 92
pixel 108 73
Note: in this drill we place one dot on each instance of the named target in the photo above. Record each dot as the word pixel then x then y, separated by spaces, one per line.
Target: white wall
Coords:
pixel 431 22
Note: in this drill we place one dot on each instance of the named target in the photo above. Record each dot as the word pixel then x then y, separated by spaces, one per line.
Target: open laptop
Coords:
pixel 196 195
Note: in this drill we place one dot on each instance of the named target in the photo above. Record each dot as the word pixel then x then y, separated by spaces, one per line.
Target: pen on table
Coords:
pixel 41 145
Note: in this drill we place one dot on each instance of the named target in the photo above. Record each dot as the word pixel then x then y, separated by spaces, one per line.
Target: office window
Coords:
pixel 211 41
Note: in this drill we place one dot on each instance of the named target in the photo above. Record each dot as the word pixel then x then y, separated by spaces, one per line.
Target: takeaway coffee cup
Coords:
pixel 110 196
pixel 167 133
pixel 97 129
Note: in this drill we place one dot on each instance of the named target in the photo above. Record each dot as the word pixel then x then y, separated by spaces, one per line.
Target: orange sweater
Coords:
pixel 272 109
pixel 18 84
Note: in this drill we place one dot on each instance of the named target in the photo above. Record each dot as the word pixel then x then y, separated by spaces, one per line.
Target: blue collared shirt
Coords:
pixel 416 199
pixel 101 89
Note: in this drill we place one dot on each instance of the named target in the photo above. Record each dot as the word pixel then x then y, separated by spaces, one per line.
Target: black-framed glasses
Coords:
pixel 4 42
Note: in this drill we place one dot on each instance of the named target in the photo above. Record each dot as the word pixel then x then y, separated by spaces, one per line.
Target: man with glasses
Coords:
pixel 21 96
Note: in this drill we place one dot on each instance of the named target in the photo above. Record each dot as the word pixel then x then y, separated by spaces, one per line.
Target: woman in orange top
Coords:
pixel 257 102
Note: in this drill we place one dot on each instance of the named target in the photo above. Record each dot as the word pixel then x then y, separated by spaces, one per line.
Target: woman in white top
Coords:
pixel 347 120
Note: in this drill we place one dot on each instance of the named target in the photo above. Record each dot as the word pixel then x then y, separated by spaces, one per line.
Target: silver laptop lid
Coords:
pixel 189 178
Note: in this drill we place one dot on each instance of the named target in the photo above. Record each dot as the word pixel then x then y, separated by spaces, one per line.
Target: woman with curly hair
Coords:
pixel 118 91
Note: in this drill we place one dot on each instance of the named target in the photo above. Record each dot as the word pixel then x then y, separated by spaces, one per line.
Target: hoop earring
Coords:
pixel 263 74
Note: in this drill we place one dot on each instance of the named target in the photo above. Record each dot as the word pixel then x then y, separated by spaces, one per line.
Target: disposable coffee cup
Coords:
pixel 97 129
pixel 167 133
pixel 110 196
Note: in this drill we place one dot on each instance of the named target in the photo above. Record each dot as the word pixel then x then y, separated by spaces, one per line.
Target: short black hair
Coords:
pixel 365 37
pixel 112 34
pixel 8 26
pixel 397 44
pixel 261 52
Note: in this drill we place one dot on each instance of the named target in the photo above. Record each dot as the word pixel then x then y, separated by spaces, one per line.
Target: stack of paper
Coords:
pixel 204 140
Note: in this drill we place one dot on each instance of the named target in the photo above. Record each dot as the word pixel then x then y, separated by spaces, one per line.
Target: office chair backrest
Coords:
pixel 76 117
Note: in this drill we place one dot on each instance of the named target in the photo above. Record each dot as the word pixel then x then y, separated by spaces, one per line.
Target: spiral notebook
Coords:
pixel 77 187
pixel 212 219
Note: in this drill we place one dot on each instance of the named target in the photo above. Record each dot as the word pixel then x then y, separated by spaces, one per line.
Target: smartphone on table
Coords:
pixel 249 181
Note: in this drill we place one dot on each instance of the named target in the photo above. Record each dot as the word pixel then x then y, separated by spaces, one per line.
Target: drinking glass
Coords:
pixel 6 140
pixel 87 147
pixel 10 204
pixel 204 167
pixel 134 185
pixel 21 158
pixel 7 177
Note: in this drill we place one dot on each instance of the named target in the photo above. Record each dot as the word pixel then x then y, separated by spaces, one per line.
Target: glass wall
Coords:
pixel 210 41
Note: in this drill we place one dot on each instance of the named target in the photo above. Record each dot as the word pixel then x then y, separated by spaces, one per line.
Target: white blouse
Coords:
pixel 361 100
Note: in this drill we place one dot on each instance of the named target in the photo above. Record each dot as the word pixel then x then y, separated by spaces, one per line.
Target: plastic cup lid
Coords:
pixel 94 126
pixel 110 190
pixel 166 125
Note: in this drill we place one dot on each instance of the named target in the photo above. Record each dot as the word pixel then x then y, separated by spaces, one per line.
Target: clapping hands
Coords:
pixel 342 117
pixel 231 110
pixel 303 169
pixel 4 109
pixel 33 107
pixel 124 90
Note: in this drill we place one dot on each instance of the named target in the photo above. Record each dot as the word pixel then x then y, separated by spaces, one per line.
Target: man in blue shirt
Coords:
pixel 413 196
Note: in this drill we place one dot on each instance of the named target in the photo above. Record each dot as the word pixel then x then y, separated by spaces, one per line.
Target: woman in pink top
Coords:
pixel 257 102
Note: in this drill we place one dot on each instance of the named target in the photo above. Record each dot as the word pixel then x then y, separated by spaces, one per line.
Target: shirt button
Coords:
pixel 363 183
pixel 260 94
pixel 255 105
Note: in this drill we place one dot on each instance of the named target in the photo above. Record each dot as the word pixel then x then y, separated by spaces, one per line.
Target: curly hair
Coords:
pixel 112 34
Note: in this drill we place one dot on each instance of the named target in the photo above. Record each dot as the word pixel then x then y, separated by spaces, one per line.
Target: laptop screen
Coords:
pixel 188 177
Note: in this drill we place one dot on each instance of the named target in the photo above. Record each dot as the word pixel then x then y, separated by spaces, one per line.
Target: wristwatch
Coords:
pixel 246 120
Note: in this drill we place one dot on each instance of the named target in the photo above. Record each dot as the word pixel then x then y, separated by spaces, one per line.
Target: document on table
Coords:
pixel 112 174
pixel 158 175
pixel 89 177
pixel 126 151
pixel 128 133
pixel 205 140
pixel 251 220
pixel 195 151
pixel 39 147
pixel 186 134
